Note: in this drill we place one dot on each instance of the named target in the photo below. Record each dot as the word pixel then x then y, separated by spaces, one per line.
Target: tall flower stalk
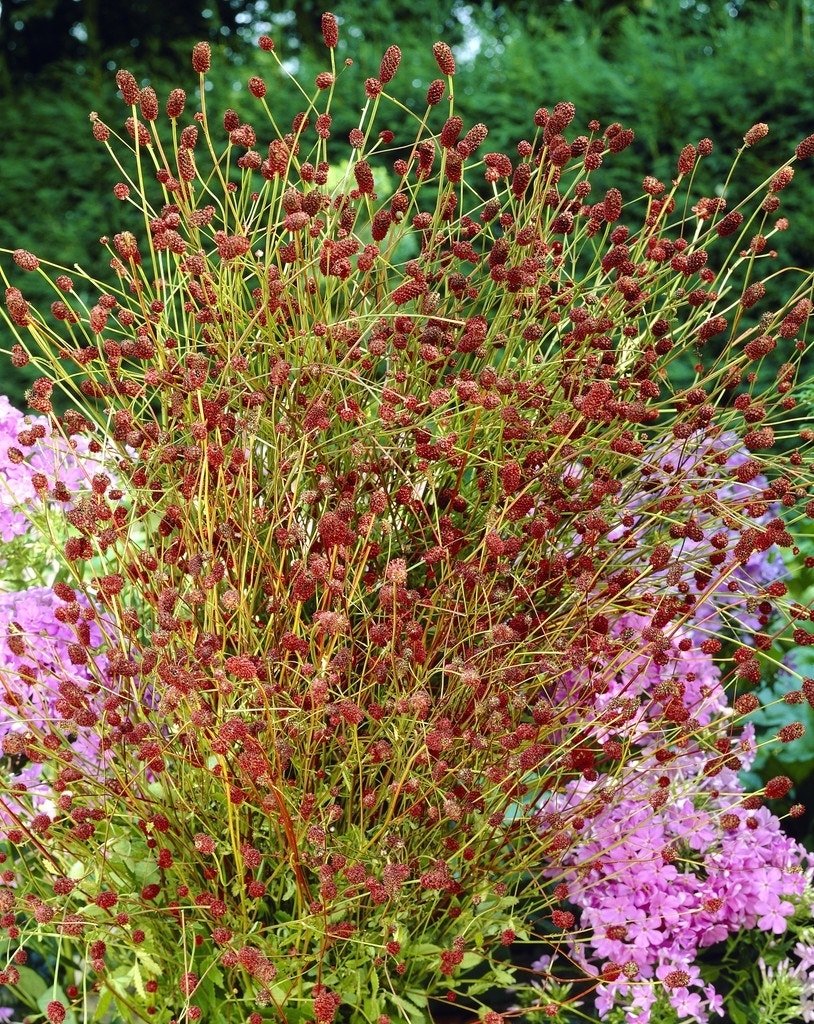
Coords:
pixel 432 532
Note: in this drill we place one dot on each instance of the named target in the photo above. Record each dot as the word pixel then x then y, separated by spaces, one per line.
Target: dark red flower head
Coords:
pixel 686 159
pixel 390 64
pixel 805 148
pixel 148 102
pixel 435 92
pixel 756 133
pixel 257 87
pixel 175 103
pixel 128 86
pixel 330 30
pixel 55 1012
pixel 201 58
pixel 25 259
pixel 443 58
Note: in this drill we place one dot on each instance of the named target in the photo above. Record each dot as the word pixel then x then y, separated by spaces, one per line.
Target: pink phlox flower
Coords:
pixel 681 463
pixel 715 1001
pixel 641 1005
pixel 619 875
pixel 646 935
pixel 773 915
pixel 635 674
pixel 714 933
pixel 688 1005
pixel 671 903
pixel 805 953
pixel 692 826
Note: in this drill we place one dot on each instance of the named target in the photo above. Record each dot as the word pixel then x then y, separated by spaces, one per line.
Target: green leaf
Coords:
pixel 215 975
pixel 738 1015
pixel 138 981
pixel 413 1012
pixel 148 961
pixel 290 887
pixel 419 998
pixel 372 1008
pixel 32 985
pixel 477 988
pixel 423 949
pixel 103 1005
pixel 122 847
pixel 500 977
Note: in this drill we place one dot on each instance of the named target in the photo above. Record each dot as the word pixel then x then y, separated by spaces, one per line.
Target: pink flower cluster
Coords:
pixel 657 885
pixel 684 859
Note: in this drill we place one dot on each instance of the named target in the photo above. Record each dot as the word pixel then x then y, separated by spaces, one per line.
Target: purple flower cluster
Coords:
pixel 42 687
pixel 681 684
pixel 45 453
pixel 42 683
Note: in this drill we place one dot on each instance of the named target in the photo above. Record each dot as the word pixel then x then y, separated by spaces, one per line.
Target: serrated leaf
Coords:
pixel 418 998
pixel 372 1008
pixel 498 977
pixel 423 949
pixel 413 1012
pixel 121 847
pixel 215 975
pixel 137 980
pixel 103 1004
pixel 148 961
pixel 477 988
